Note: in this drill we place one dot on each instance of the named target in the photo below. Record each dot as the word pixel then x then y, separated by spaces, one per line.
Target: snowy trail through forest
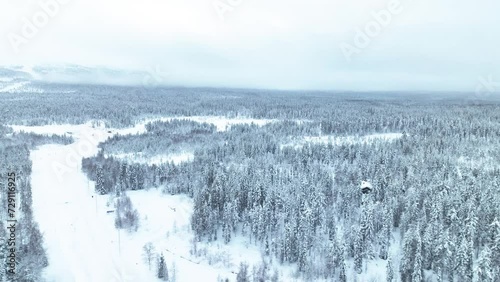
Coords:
pixel 79 235
pixel 80 238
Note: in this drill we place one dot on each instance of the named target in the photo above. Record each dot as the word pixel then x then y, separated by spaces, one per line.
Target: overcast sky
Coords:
pixel 284 44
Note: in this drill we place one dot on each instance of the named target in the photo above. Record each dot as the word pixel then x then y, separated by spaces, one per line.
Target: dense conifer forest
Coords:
pixel 434 210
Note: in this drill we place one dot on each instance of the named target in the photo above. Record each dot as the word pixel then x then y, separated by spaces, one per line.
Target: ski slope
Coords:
pixel 79 234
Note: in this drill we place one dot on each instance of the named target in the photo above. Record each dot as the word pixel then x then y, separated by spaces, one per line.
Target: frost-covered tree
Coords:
pixel 464 260
pixel 126 217
pixel 148 253
pixel 100 184
pixel 242 275
pixel 342 274
pixel 483 270
pixel 358 252
pixel 162 270
pixel 417 271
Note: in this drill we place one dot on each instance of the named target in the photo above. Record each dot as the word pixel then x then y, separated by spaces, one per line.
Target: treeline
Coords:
pixel 30 254
pixel 162 138
pixel 121 106
pixel 15 158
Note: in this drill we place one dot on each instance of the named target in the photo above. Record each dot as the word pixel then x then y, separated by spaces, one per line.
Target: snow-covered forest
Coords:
pixel 281 172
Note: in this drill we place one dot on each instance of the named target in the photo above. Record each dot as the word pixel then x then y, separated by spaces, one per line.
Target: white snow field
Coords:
pixel 79 234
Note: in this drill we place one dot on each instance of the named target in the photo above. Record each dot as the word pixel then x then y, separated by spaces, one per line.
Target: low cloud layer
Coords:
pixel 391 45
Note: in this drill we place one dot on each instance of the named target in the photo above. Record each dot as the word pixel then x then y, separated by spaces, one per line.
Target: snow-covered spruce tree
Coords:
pixel 99 185
pixel 495 246
pixel 342 274
pixel 148 253
pixel 389 270
pixel 123 177
pixel 230 219
pixel 444 253
pixel 428 246
pixel 358 252
pixel 385 233
pixel 242 275
pixel 483 271
pixel 464 260
pixel 162 271
pixel 226 232
pixel 407 260
pixel 260 273
pixel 367 230
pixel 126 217
pixel 417 271
pixel 332 259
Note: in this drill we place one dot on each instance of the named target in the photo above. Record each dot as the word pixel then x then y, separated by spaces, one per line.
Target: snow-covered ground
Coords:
pixel 340 140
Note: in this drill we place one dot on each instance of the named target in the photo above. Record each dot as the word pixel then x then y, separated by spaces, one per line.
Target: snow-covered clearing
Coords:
pixel 340 140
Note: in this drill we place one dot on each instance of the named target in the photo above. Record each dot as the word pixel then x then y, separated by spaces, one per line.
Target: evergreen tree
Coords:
pixel 483 270
pixel 342 275
pixel 407 261
pixel 389 270
pixel 358 252
pixel 242 275
pixel 162 272
pixel 148 253
pixel 464 260
pixel 100 186
pixel 417 274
